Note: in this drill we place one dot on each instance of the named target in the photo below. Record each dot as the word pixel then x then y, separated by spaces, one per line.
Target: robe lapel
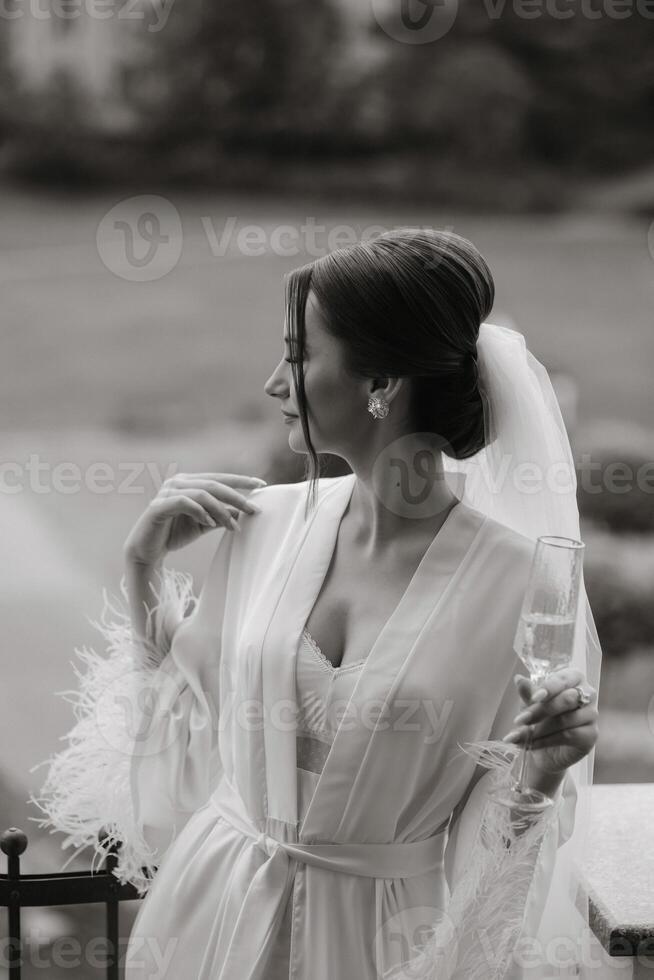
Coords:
pixel 289 595
pixel 441 564
pixel 291 590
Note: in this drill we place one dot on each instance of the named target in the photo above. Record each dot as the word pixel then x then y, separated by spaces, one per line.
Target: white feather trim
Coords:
pixel 87 787
pixel 475 938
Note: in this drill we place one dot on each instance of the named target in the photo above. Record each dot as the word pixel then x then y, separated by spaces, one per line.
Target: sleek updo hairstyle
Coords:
pixel 407 304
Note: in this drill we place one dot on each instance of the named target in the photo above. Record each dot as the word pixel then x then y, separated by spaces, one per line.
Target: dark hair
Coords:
pixel 409 304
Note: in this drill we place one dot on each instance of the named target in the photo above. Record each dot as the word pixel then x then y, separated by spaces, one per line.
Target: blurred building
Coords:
pixel 94 58
pixel 100 59
pixel 366 45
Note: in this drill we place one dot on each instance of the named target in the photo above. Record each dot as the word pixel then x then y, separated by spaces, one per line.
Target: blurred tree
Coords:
pixel 45 128
pixel 468 103
pixel 246 73
pixel 592 84
pixel 623 609
pixel 5 86
pixel 506 88
pixel 503 110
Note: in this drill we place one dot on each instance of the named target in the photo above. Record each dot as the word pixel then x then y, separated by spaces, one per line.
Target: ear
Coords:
pixel 388 388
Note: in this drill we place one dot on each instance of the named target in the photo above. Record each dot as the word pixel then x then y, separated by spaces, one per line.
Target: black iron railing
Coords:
pixel 19 891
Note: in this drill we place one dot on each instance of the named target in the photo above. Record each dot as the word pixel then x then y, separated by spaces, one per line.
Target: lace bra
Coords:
pixel 323 692
pixel 321 656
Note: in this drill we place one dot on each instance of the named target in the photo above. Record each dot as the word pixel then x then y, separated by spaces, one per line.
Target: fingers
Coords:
pixel 172 506
pixel 557 723
pixel 525 687
pixel 558 680
pixel 565 701
pixel 215 510
pixel 215 496
pixel 232 479
pixel 581 736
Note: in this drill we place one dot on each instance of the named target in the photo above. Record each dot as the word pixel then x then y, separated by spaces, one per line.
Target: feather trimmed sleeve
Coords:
pixel 498 864
pixel 143 754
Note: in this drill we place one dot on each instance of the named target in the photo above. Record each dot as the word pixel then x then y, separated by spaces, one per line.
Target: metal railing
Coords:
pixel 19 891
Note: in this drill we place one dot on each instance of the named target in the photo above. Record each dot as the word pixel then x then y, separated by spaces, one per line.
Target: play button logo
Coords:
pixel 415 21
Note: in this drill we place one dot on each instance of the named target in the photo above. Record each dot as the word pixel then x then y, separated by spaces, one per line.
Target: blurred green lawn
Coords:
pixel 196 346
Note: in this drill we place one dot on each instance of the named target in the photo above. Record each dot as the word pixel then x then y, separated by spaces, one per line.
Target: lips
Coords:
pixel 288 415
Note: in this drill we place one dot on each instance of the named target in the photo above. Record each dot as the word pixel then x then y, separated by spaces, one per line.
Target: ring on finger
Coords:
pixel 583 697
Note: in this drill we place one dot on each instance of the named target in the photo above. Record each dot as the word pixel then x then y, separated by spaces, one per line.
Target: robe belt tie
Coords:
pixel 394 860
pixel 244 953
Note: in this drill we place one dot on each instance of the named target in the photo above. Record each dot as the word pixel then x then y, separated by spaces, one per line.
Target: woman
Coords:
pixel 291 761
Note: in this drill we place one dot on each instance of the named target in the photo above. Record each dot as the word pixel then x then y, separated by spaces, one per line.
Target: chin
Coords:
pixel 301 450
pixel 297 445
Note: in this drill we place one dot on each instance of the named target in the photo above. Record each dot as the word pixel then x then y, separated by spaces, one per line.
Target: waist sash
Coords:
pixel 246 953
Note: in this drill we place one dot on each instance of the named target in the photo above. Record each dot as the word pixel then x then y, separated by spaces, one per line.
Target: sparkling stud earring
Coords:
pixel 378 407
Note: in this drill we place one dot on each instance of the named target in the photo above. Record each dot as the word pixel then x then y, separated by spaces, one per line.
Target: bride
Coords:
pixel 282 757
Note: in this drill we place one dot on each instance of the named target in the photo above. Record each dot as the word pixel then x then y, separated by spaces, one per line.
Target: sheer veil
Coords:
pixel 524 478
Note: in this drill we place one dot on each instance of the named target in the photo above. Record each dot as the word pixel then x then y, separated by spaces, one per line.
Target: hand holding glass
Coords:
pixel 544 638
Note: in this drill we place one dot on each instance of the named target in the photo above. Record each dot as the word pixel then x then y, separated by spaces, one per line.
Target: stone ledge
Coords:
pixel 618 876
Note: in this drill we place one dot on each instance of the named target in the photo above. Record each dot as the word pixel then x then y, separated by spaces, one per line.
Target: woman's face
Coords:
pixel 334 399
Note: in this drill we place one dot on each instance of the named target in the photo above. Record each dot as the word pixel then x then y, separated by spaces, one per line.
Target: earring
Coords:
pixel 378 407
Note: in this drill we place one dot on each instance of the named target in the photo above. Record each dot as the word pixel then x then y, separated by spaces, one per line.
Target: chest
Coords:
pixel 355 602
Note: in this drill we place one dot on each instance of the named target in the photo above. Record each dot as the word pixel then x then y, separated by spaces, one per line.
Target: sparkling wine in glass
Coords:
pixel 544 638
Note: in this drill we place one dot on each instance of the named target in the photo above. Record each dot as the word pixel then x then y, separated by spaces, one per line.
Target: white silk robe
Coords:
pixel 212 776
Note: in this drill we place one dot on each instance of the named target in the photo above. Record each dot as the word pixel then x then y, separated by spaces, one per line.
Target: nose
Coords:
pixel 271 386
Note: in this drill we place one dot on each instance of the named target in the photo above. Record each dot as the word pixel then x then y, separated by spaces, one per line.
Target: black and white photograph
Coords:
pixel 327 489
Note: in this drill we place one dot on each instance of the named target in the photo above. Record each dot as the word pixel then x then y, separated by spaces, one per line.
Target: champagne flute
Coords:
pixel 544 638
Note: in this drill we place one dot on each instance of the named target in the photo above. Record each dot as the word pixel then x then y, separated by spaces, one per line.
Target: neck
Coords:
pixel 401 494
